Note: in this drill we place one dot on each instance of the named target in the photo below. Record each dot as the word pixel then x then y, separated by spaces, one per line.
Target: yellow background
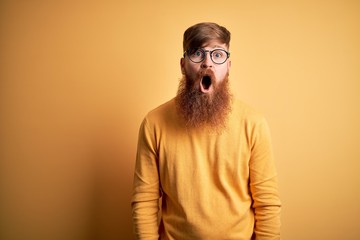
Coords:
pixel 76 79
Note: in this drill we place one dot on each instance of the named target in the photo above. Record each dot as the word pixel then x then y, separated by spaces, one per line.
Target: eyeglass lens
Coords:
pixel 217 55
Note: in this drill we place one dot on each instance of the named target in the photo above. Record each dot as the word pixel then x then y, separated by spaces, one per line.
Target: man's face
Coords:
pixel 197 71
pixel 203 97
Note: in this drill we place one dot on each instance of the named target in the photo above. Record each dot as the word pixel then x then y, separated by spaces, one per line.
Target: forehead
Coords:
pixel 214 44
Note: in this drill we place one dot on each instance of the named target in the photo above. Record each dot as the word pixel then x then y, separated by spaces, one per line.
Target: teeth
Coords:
pixel 206 82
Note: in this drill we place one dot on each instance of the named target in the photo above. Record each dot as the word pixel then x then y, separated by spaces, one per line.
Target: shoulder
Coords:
pixel 162 115
pixel 163 108
pixel 244 111
pixel 163 111
pixel 251 121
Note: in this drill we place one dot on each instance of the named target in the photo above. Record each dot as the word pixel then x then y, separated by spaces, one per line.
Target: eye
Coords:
pixel 198 53
pixel 218 54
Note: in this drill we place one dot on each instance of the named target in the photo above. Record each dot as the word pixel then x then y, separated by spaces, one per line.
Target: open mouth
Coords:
pixel 206 82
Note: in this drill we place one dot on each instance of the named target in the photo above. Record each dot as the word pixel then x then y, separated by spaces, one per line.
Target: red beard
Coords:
pixel 204 109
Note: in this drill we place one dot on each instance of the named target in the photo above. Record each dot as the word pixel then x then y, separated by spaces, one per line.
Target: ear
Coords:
pixel 182 65
pixel 229 64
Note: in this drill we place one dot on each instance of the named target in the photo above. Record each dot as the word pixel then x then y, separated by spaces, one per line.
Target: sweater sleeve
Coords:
pixel 263 185
pixel 146 190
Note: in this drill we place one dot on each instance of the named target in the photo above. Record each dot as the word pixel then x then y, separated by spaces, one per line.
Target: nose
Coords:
pixel 207 62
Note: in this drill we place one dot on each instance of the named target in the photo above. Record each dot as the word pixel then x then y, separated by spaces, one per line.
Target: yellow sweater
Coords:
pixel 213 185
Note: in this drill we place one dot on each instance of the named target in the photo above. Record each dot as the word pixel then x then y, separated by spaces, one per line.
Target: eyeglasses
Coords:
pixel 218 56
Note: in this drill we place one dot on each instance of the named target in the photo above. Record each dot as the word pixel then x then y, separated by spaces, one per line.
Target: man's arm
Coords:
pixel 263 185
pixel 146 187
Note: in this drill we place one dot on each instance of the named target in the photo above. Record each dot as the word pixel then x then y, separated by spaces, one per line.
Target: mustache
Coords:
pixel 191 82
pixel 207 72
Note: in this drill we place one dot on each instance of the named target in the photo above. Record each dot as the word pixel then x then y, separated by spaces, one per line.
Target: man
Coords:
pixel 205 155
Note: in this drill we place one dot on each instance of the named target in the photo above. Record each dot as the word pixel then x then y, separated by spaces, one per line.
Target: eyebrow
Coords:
pixel 215 47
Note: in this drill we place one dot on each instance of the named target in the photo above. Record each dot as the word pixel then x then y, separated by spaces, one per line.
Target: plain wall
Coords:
pixel 77 77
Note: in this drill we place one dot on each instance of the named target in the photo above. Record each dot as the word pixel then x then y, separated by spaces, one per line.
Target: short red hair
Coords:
pixel 198 34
